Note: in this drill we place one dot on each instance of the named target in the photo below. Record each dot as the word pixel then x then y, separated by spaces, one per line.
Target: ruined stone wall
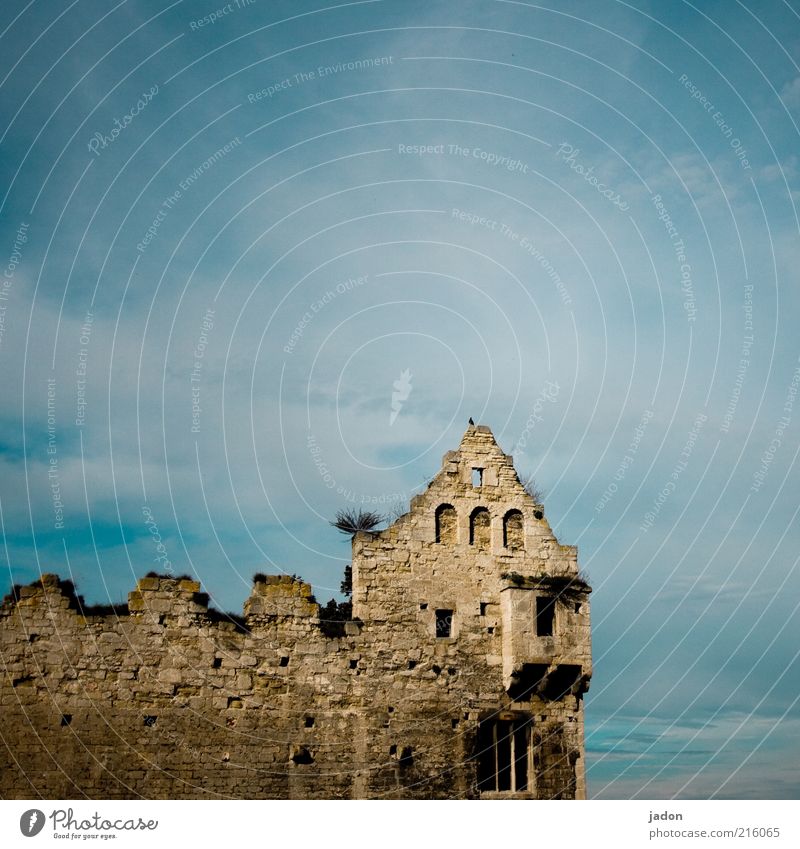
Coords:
pixel 170 699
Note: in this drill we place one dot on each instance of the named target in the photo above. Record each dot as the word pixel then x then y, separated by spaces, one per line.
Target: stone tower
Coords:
pixel 474 578
pixel 460 675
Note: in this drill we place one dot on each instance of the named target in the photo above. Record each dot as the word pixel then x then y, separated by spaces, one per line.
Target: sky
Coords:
pixel 230 232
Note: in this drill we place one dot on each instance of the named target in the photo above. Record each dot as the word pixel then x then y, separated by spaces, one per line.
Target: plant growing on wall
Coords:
pixel 533 490
pixel 352 521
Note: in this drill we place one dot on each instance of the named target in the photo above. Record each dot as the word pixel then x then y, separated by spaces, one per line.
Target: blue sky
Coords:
pixel 577 225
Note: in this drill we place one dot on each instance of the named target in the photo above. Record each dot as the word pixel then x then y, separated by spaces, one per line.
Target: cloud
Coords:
pixel 790 93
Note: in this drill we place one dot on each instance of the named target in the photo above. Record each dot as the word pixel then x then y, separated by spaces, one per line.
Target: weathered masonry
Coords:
pixel 461 674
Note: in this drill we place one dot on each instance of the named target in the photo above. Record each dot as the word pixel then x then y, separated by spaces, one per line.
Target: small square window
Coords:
pixel 444 623
pixel 477 477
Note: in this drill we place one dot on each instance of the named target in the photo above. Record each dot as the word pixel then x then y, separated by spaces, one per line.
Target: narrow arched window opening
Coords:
pixel 446 523
pixel 480 528
pixel 513 530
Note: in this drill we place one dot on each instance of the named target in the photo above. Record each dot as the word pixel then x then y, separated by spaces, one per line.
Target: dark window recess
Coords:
pixel 562 681
pixel 537 514
pixel 216 663
pixel 490 630
pixel 406 757
pixel 484 605
pixel 545 614
pixel 234 702
pixel 424 605
pixel 577 608
pixel 477 477
pixel 150 721
pixel 353 663
pixel 444 623
pixel 302 755
pixel 451 670
pixel 390 709
pixel 527 681
pixel 504 755
pixel 392 750
pixel 436 669
pixel 454 723
pixel 412 664
pixel 309 722
pixel 162 619
pixel 284 661
pixel 66 719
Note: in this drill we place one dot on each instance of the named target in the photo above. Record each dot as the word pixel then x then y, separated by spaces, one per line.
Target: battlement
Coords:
pixel 166 595
pixel 280 595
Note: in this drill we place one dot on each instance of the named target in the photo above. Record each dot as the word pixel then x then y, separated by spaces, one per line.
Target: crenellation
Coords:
pixel 461 635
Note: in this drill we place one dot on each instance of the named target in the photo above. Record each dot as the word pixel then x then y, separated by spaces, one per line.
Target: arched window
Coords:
pixel 513 530
pixel 480 528
pixel 446 523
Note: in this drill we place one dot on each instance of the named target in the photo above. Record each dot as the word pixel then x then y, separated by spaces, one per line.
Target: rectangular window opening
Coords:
pixel 545 614
pixel 477 477
pixel 444 623
pixel 504 755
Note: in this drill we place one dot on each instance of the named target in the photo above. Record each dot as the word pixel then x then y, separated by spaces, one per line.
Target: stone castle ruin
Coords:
pixel 461 673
